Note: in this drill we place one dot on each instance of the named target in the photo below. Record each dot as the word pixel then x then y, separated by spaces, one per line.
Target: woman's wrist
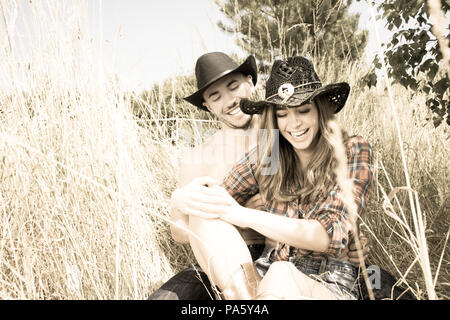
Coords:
pixel 238 216
pixel 246 216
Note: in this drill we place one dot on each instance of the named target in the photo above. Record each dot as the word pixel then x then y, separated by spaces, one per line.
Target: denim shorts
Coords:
pixel 340 277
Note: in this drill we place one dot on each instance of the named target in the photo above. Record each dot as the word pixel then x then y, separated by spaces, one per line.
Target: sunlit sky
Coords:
pixel 144 41
pixel 163 38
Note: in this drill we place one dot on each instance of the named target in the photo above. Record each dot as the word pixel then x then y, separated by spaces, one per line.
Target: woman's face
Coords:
pixel 299 125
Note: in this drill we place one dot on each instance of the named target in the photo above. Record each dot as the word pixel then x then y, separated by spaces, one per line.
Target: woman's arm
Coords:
pixel 299 233
pixel 325 229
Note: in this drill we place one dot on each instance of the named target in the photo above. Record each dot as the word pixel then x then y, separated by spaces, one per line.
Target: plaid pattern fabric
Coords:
pixel 330 212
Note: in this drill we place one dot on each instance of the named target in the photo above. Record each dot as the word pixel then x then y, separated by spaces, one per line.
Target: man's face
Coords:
pixel 223 96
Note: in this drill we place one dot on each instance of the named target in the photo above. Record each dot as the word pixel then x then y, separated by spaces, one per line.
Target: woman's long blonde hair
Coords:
pixel 288 182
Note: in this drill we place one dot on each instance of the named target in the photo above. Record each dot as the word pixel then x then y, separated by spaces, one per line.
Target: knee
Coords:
pixel 276 282
pixel 279 271
pixel 280 267
pixel 212 227
pixel 196 222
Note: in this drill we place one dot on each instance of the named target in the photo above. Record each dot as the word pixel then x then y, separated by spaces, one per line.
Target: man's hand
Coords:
pixel 195 197
pixel 353 256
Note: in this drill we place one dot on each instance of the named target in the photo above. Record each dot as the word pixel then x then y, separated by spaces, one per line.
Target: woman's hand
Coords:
pixel 231 211
pixel 353 255
pixel 195 197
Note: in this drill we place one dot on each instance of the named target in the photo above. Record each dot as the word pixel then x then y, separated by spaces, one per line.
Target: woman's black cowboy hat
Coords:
pixel 212 66
pixel 295 82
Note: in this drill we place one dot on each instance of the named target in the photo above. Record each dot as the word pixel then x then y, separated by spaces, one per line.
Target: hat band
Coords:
pixel 313 85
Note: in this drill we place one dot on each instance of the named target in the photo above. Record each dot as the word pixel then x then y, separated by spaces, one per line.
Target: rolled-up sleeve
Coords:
pixel 331 213
pixel 360 170
pixel 240 182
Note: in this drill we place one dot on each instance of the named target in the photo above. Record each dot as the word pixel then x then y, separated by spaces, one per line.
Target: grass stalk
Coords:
pixel 420 233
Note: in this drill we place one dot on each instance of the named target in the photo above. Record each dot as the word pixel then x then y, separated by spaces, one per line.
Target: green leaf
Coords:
pixel 441 87
pixel 437 121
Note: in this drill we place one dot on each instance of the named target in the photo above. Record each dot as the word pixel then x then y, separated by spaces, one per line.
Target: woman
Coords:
pixel 303 194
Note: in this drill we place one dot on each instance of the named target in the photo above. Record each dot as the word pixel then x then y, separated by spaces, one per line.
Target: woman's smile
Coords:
pixel 298 135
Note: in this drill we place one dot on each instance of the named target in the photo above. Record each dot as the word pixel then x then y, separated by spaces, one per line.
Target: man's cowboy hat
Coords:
pixel 212 66
pixel 294 82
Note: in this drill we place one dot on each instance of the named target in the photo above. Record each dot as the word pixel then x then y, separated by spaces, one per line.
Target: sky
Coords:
pixel 145 41
pixel 159 39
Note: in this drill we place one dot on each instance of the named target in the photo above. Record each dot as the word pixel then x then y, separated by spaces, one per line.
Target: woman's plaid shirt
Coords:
pixel 330 212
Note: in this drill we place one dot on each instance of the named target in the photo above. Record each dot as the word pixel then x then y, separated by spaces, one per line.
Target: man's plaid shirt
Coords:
pixel 329 211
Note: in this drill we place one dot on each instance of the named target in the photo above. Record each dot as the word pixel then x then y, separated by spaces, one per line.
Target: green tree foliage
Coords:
pixel 279 28
pixel 413 55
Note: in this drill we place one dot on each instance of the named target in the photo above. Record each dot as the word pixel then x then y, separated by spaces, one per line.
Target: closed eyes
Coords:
pixel 283 112
pixel 233 85
pixel 215 96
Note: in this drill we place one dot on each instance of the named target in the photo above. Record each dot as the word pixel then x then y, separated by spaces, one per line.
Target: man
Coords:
pixel 221 85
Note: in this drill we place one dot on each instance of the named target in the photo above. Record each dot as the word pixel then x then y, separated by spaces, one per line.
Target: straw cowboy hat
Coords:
pixel 212 66
pixel 295 82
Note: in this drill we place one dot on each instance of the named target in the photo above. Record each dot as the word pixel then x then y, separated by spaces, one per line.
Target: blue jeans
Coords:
pixel 338 276
pixel 193 284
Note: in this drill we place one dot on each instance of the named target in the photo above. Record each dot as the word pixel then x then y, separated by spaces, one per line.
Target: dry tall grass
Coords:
pixel 81 182
pixel 85 186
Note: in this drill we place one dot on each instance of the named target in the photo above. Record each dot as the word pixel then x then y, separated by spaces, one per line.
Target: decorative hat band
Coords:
pixel 286 90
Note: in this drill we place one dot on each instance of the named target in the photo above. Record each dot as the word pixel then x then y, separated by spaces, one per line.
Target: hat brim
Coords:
pixel 337 93
pixel 248 67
